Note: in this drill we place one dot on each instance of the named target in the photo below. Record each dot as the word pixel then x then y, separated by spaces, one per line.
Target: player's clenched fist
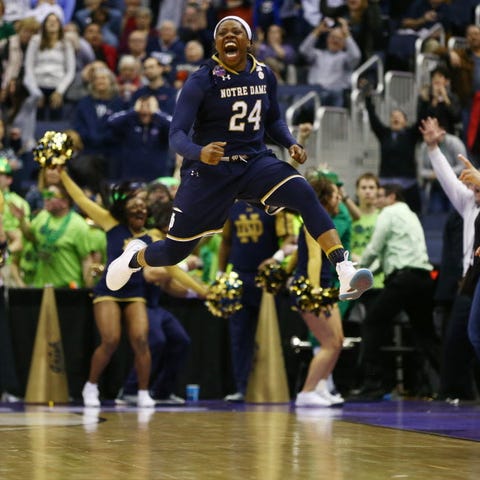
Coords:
pixel 298 153
pixel 212 153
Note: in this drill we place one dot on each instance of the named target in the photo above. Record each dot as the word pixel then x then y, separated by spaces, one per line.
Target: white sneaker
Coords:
pixel 90 395
pixel 236 397
pixel 324 392
pixel 144 399
pixel 353 282
pixel 311 399
pixel 130 399
pixel 9 398
pixel 172 399
pixel 118 272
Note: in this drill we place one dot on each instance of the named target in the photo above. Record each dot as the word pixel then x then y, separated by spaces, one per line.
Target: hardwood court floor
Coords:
pixel 209 440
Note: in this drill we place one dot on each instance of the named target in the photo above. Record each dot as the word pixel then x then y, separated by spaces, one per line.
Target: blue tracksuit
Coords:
pixel 144 152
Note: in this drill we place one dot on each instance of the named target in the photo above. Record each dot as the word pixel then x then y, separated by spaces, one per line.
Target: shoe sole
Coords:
pixel 360 282
pixel 111 278
pixel 312 404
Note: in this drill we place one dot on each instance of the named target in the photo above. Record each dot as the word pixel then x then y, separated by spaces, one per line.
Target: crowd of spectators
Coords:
pixel 49 49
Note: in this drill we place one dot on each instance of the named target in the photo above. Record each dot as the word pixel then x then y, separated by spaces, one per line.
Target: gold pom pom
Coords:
pixel 314 300
pixel 224 295
pixel 54 148
pixel 272 277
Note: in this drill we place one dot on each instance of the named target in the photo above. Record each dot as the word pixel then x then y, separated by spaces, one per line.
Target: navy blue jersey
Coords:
pixel 219 104
pixel 254 237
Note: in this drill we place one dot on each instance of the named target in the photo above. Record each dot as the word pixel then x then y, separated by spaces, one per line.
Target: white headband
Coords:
pixel 244 24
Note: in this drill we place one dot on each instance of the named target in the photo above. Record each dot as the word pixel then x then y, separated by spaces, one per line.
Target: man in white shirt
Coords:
pixel 398 243
pixel 435 199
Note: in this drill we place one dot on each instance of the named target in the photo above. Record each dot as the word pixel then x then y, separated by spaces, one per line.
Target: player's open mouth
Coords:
pixel 231 49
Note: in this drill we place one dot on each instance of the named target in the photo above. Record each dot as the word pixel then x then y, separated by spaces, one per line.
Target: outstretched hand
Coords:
pixel 470 174
pixel 431 131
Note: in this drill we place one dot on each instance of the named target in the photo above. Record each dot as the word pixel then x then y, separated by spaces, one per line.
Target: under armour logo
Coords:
pixel 194 173
pixel 226 77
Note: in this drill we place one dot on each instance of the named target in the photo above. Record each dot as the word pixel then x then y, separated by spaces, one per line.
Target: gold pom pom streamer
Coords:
pixel 54 148
pixel 309 299
pixel 271 277
pixel 224 295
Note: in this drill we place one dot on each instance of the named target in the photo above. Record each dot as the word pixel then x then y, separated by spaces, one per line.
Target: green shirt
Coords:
pixel 343 225
pixel 98 241
pixel 208 252
pixel 61 245
pixel 398 241
pixel 362 230
pixel 9 221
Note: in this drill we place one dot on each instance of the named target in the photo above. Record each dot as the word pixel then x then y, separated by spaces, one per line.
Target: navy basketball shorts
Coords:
pixel 207 192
